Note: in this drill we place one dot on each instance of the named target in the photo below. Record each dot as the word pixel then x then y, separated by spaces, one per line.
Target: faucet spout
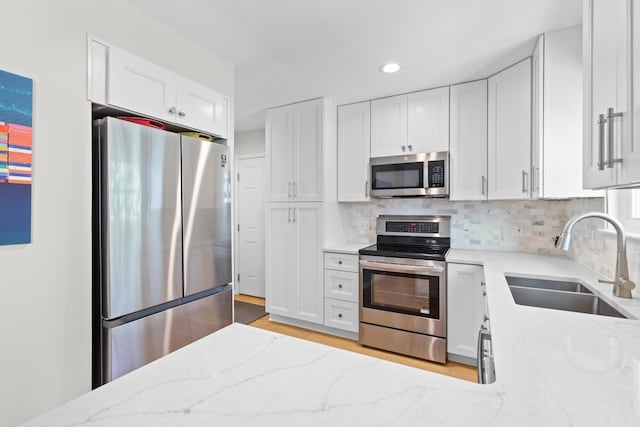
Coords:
pixel 622 286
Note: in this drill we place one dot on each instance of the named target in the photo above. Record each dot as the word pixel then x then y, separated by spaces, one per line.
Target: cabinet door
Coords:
pixel 509 146
pixel 630 167
pixel 308 277
pixel 354 146
pixel 140 86
pixel 202 108
pixel 468 155
pixel 428 121
pixel 537 111
pixel 605 72
pixel 279 153
pixel 465 308
pixel 389 126
pixel 307 151
pixel 279 259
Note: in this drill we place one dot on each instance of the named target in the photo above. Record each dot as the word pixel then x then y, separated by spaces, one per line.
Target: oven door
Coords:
pixel 402 293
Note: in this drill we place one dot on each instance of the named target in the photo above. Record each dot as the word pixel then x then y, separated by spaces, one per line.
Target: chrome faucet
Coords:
pixel 622 286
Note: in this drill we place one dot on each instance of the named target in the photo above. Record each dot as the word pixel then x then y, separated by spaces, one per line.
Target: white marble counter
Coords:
pixel 351 248
pixel 553 368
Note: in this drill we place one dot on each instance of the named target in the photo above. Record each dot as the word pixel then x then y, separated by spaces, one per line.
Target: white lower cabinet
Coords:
pixel 465 310
pixel 341 291
pixel 294 274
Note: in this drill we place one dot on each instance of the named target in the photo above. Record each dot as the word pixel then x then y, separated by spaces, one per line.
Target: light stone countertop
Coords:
pixel 350 248
pixel 553 368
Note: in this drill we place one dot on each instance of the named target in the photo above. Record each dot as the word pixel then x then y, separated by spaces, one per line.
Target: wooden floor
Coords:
pixel 451 369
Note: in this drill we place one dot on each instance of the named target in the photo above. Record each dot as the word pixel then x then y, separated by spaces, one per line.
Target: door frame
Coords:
pixel 236 208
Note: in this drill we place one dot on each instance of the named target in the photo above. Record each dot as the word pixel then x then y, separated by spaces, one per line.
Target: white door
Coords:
pixel 202 108
pixel 428 121
pixel 250 227
pixel 279 153
pixel 354 146
pixel 509 146
pixel 307 151
pixel 468 154
pixel 465 308
pixel 308 272
pixel 389 126
pixel 280 259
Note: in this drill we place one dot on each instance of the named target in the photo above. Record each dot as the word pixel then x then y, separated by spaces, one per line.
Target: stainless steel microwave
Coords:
pixel 423 174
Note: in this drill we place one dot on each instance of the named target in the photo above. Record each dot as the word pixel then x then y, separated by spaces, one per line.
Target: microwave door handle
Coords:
pixel 398 268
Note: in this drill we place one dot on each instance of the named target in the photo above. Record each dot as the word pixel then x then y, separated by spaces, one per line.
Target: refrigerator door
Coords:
pixel 140 194
pixel 134 344
pixel 206 190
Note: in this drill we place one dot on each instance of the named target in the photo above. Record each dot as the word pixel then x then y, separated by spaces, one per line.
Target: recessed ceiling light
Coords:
pixel 390 68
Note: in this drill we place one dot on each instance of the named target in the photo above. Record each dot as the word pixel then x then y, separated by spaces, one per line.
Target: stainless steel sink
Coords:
pixel 559 295
pixel 556 285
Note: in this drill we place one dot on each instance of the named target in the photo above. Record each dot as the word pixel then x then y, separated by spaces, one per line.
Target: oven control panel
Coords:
pixel 412 227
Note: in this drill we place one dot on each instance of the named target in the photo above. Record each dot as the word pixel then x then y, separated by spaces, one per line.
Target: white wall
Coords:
pixel 45 307
pixel 250 142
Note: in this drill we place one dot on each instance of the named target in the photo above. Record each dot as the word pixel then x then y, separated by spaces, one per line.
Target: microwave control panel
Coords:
pixel 436 172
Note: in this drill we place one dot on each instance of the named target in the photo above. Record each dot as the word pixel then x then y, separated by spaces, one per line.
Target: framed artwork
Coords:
pixel 16 162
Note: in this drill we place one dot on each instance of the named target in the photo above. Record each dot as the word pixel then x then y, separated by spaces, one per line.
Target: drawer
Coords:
pixel 341 314
pixel 343 262
pixel 341 285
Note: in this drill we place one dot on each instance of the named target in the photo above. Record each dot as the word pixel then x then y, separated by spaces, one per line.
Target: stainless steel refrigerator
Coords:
pixel 162 244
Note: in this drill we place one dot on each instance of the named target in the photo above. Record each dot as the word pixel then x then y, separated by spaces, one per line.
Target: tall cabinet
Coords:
pixel 294 224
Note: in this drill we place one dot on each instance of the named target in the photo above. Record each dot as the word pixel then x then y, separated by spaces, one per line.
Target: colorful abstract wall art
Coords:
pixel 16 164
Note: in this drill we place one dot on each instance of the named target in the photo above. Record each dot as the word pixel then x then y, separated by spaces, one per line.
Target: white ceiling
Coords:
pixel 291 50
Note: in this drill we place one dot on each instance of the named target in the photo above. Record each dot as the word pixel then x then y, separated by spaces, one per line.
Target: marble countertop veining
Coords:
pixel 553 368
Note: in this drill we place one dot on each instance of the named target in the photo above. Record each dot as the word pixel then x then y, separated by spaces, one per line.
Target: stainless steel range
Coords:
pixel 403 287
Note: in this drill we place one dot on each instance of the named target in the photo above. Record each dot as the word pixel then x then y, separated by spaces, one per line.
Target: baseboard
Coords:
pixel 465 360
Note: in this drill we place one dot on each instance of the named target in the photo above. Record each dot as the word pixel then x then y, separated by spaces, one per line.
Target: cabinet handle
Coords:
pixel 295 190
pixel 340 262
pixel 294 214
pixel 289 190
pixel 288 214
pixel 536 178
pixel 181 113
pixel 525 187
pixel 610 122
pixel 366 188
pixel 601 122
pixel 483 181
pixel 404 148
pixel 172 110
pixel 410 147
pixel 339 285
pixel 340 315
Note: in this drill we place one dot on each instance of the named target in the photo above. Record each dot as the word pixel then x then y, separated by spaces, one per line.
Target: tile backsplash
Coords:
pixel 525 226
pixel 528 226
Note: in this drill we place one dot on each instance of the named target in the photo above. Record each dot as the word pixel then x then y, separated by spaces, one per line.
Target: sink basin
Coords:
pixel 563 300
pixel 556 285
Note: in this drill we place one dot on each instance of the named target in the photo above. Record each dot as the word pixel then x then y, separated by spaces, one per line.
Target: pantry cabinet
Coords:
pixel 294 272
pixel 354 146
pixel 294 151
pixel 120 79
pixel 465 310
pixel 509 133
pixel 612 96
pixel 468 153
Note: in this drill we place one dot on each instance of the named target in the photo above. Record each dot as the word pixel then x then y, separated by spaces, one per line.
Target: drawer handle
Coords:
pixel 340 285
pixel 340 262
pixel 340 315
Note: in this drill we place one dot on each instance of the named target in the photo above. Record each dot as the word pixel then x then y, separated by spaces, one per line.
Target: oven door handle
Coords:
pixel 399 268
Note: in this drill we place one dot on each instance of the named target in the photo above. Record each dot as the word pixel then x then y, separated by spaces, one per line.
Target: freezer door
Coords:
pixel 140 215
pixel 134 344
pixel 206 208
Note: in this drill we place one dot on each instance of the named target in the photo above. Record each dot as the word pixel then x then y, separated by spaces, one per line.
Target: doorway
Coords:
pixel 250 228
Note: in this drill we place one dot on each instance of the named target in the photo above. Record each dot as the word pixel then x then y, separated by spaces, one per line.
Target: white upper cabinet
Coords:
pixel 354 145
pixel 509 130
pixel 294 150
pixel 556 163
pixel 468 153
pixel 389 126
pixel 428 121
pixel 123 80
pixel 611 154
